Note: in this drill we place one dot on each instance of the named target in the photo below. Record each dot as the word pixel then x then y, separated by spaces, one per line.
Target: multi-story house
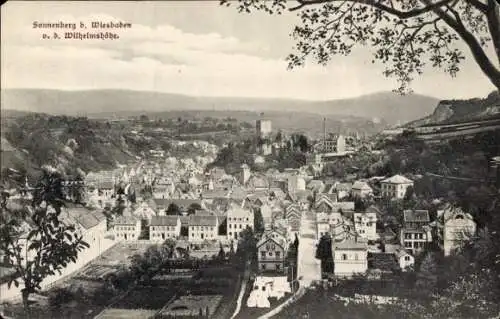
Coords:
pixel 458 228
pixel 395 186
pixel 365 224
pixel 164 227
pixel 238 219
pixel 350 257
pixel 127 228
pixel 202 228
pixel 416 240
pixel 416 233
pixel 272 249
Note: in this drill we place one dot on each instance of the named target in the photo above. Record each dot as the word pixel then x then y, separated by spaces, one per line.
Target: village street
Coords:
pixel 308 268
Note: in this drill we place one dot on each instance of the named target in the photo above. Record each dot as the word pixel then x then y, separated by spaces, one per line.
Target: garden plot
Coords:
pixel 192 306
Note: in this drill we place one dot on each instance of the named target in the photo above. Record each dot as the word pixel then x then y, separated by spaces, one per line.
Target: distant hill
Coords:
pixel 385 106
pixel 457 111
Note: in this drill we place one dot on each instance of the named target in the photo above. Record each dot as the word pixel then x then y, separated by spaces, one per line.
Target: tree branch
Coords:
pixel 379 5
pixel 493 18
pixel 475 47
pixel 479 5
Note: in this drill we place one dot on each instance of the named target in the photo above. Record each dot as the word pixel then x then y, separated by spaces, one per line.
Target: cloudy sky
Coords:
pixel 194 48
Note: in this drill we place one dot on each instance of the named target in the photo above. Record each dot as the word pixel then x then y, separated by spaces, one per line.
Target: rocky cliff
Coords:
pixel 457 111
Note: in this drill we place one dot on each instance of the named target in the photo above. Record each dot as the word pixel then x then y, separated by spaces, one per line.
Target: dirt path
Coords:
pixel 246 277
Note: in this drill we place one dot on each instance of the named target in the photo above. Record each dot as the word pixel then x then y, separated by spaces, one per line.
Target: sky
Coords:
pixel 194 48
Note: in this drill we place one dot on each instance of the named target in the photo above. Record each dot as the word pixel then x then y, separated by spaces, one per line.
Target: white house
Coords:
pixel 238 219
pixel 350 257
pixel 416 240
pixel 127 228
pixel 395 186
pixel 272 249
pixel 202 228
pixel 361 189
pixel 365 224
pixel 405 259
pixel 458 228
pixel 164 227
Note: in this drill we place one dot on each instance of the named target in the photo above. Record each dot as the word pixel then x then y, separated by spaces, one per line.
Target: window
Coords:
pixel 344 256
pixel 355 256
pixel 270 253
pixel 278 254
pixel 263 254
pixel 240 226
pixel 407 258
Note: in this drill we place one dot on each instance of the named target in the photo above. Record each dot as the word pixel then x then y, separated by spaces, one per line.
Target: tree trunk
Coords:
pixel 25 294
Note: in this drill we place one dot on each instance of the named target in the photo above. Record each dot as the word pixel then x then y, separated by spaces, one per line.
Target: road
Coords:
pixel 309 268
pixel 246 277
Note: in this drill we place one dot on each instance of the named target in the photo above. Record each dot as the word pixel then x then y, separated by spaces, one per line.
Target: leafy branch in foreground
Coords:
pixel 406 36
pixel 35 241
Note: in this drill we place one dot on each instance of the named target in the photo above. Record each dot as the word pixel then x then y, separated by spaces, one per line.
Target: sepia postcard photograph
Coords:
pixel 250 159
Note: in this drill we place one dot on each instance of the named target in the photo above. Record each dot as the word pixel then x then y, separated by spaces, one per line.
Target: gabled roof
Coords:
pixel 164 220
pixel 360 185
pixel 125 220
pixel 324 200
pixel 421 216
pixel 202 220
pixel 397 179
pixel 292 207
pixel 236 211
pixel 350 245
pixel 279 240
pixel 83 216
